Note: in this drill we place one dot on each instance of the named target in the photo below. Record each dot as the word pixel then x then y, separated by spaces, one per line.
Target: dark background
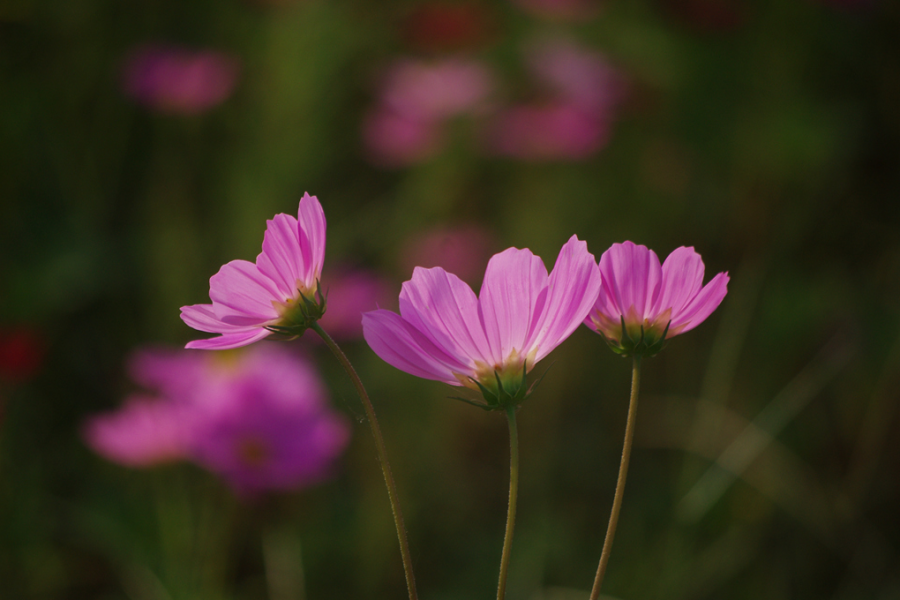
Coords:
pixel 764 134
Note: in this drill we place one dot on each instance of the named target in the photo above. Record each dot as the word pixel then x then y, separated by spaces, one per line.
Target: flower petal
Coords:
pixel 631 276
pixel 444 308
pixel 682 278
pixel 230 340
pixel 242 295
pixel 400 344
pixel 703 304
pixel 202 317
pixel 281 259
pixel 514 288
pixel 573 290
pixel 311 234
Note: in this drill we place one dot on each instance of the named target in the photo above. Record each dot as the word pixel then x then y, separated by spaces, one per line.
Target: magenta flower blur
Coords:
pixel 487 343
pixel 258 418
pixel 277 294
pixel 350 294
pixel 573 116
pixel 177 80
pixel 642 304
pixel 415 100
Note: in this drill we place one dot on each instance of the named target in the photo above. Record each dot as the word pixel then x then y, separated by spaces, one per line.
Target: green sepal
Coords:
pixel 307 311
pixel 506 396
pixel 645 346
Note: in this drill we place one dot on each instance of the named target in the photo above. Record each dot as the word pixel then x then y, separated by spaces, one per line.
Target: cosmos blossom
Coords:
pixel 248 299
pixel 653 301
pixel 444 332
pixel 258 418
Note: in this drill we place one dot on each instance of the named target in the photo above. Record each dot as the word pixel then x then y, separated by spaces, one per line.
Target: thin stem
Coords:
pixel 382 458
pixel 620 484
pixel 513 496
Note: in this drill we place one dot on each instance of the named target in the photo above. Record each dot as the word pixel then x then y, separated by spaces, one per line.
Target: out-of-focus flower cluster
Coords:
pixel 568 115
pixel 258 417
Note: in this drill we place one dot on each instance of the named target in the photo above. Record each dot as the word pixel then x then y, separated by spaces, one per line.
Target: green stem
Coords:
pixel 620 484
pixel 513 496
pixel 382 458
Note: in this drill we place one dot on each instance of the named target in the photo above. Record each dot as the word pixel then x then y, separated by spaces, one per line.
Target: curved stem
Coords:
pixel 513 496
pixel 620 484
pixel 382 458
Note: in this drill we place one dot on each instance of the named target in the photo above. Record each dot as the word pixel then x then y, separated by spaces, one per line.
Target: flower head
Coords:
pixel 258 418
pixel 642 304
pixel 277 294
pixel 488 343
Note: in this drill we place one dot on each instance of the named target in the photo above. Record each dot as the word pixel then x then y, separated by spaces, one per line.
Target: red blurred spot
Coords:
pixel 708 16
pixel 442 27
pixel 21 355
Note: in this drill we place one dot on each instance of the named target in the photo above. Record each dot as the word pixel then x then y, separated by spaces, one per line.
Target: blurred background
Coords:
pixel 144 144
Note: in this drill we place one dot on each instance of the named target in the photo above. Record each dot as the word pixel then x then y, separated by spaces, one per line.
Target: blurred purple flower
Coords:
pixel 144 432
pixel 394 140
pixel 177 80
pixel 574 118
pixel 350 294
pixel 259 418
pixel 435 89
pixel 462 250
pixel 653 302
pixel 248 299
pixel 444 332
pixel 549 132
pixel 415 100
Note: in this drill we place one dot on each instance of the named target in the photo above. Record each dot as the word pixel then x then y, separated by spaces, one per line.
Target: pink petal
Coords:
pixel 281 259
pixel 513 291
pixel 311 233
pixel 572 293
pixel 230 340
pixel 242 295
pixel 682 278
pixel 445 309
pixel 202 317
pixel 631 276
pixel 143 432
pixel 703 303
pixel 401 345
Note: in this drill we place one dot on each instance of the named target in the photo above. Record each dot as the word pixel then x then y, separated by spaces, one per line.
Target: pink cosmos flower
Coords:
pixel 435 90
pixel 444 332
pixel 653 302
pixel 250 300
pixel 176 80
pixel 258 418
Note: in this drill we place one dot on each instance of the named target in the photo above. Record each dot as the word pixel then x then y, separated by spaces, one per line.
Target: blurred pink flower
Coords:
pixel 444 332
pixel 654 302
pixel 548 132
pixel 415 100
pixel 574 118
pixel 435 89
pixel 560 9
pixel 576 75
pixel 350 294
pixel 258 418
pixel 248 299
pixel 144 432
pixel 394 140
pixel 177 80
pixel 462 250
